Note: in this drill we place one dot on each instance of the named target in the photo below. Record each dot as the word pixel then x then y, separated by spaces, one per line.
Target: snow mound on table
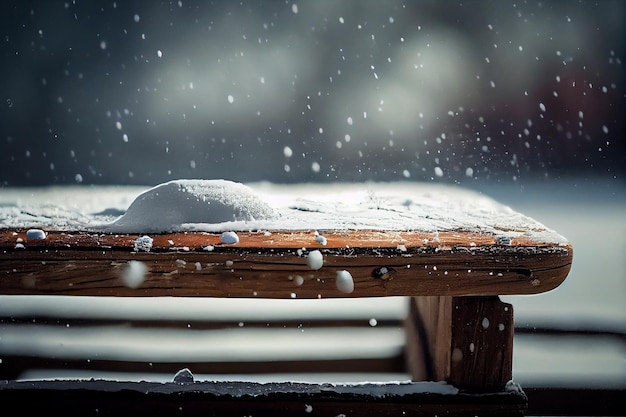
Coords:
pixel 168 206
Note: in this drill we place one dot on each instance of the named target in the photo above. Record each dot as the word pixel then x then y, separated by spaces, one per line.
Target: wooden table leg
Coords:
pixel 466 341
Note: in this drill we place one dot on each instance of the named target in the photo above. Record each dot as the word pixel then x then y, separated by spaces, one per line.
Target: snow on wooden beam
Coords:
pixel 276 265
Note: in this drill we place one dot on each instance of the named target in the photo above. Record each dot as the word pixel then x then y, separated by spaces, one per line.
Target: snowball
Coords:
pixel 321 240
pixel 315 260
pixel 229 238
pixel 344 282
pixel 133 274
pixel 298 280
pixel 35 234
pixel 168 206
pixel 143 243
pixel 182 376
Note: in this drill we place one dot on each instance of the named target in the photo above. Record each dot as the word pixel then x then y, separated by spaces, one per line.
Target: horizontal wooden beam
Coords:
pixel 276 239
pixel 99 397
pixel 181 265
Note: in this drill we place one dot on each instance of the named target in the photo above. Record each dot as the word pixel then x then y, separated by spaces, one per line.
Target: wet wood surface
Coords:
pixel 274 264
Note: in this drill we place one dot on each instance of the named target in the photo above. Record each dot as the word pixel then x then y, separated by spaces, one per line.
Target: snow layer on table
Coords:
pixel 221 205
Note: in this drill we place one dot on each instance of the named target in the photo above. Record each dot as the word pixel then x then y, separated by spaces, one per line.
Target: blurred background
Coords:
pixel 141 92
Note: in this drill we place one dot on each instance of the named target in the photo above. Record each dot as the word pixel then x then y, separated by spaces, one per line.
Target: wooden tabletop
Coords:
pixel 431 241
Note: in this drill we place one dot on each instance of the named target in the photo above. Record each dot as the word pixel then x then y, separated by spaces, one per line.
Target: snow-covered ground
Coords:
pixel 591 216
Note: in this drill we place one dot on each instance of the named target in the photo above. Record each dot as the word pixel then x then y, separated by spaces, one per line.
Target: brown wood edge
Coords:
pixel 454 264
pixel 278 239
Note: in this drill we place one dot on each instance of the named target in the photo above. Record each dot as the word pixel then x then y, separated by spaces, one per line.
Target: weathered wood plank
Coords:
pixel 276 239
pixel 274 275
pixel 244 398
pixel 86 264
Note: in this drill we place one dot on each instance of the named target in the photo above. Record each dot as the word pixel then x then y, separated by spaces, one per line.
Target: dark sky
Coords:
pixel 141 92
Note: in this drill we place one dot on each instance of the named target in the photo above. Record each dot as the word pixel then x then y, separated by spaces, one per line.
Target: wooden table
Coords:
pixel 452 251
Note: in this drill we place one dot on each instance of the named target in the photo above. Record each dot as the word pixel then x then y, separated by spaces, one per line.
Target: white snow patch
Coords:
pixel 216 206
pixel 143 243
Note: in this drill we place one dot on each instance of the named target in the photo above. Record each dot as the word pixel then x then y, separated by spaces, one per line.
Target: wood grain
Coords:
pixel 481 344
pixel 267 265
